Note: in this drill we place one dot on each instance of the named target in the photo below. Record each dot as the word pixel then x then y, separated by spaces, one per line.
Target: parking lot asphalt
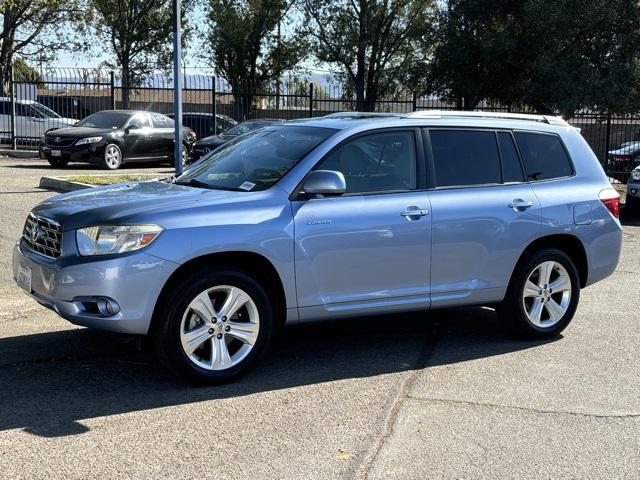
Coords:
pixel 446 394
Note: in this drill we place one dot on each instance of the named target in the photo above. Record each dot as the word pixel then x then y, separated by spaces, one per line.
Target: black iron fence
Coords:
pixel 37 101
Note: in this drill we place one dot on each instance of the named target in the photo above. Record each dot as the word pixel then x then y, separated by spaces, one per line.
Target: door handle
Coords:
pixel 519 203
pixel 414 211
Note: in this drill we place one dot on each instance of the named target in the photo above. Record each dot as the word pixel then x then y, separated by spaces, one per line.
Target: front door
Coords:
pixel 368 249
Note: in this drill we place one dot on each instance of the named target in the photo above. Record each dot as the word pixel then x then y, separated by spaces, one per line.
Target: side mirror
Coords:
pixel 133 126
pixel 324 182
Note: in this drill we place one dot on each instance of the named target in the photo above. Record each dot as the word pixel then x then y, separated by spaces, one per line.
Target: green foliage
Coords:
pixel 377 44
pixel 31 29
pixel 138 33
pixel 22 71
pixel 246 48
pixel 551 56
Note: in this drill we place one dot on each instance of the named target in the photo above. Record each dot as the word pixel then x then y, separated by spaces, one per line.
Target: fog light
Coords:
pixel 107 307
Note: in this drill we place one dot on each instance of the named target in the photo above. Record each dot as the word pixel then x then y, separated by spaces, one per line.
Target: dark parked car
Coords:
pixel 208 144
pixel 624 158
pixel 111 138
pixel 205 124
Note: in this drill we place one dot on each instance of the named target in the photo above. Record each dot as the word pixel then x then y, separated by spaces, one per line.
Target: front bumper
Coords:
pixel 633 190
pixel 91 153
pixel 133 280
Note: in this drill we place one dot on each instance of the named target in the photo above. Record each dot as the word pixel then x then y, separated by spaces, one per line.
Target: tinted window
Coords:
pixel 376 163
pixel 543 155
pixel 111 120
pixel 140 121
pixel 5 108
pixel 465 157
pixel 511 168
pixel 161 121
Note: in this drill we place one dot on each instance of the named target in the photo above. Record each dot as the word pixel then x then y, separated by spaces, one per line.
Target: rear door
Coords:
pixel 369 249
pixel 483 214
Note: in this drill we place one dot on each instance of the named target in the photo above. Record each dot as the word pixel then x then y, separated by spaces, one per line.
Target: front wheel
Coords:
pixel 112 158
pixel 214 327
pixel 543 295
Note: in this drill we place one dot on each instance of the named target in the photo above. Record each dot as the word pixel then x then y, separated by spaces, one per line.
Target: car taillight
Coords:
pixel 610 198
pixel 622 158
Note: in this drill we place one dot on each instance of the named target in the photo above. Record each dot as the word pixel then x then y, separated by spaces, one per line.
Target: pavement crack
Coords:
pixel 525 409
pixel 402 395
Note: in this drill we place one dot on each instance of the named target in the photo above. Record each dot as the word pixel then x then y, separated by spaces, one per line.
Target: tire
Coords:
pixel 58 162
pixel 179 324
pixel 112 157
pixel 517 310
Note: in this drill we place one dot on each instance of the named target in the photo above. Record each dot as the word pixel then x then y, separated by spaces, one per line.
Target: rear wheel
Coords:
pixel 543 295
pixel 112 158
pixel 58 162
pixel 215 327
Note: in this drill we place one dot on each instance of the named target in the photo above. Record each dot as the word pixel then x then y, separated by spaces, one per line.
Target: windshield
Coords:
pixel 257 160
pixel 245 127
pixel 44 111
pixel 113 120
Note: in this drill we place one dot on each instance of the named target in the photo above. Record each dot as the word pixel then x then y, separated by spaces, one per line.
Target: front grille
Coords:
pixel 42 235
pixel 54 141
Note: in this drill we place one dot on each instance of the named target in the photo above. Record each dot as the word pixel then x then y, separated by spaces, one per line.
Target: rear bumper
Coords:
pixel 133 281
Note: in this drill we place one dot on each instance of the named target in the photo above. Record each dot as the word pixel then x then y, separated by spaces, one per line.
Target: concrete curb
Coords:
pixel 19 153
pixel 61 185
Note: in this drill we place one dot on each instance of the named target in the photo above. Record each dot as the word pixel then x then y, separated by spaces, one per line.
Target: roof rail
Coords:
pixel 549 119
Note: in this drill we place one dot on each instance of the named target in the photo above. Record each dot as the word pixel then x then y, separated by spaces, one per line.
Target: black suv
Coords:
pixel 111 138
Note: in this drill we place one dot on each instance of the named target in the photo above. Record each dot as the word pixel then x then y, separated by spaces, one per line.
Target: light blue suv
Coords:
pixel 328 218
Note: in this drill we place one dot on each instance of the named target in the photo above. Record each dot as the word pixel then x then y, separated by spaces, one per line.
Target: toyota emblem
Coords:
pixel 36 232
pixel 57 139
pixel 206 150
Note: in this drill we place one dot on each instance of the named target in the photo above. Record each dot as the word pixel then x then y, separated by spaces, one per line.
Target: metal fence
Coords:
pixel 36 101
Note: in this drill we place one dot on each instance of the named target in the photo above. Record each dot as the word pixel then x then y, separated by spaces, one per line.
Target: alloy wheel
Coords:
pixel 219 328
pixel 546 295
pixel 112 156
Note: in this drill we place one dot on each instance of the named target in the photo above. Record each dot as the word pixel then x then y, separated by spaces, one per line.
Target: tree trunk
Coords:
pixel 126 84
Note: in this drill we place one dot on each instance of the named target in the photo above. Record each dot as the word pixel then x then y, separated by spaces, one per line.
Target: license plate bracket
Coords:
pixel 23 278
pixel 56 153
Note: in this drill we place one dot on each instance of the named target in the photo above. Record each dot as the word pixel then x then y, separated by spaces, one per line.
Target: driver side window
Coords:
pixel 376 163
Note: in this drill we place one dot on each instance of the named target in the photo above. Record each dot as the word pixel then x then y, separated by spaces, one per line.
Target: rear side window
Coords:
pixel 544 156
pixel 511 168
pixel 465 157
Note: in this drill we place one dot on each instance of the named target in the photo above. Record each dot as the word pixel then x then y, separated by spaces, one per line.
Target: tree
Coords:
pixel 34 28
pixel 246 48
pixel 549 57
pixel 375 43
pixel 138 32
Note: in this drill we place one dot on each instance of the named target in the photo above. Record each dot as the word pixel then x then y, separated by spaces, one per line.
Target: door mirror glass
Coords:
pixel 132 126
pixel 325 182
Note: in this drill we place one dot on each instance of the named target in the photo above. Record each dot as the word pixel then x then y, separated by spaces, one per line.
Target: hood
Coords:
pixel 214 140
pixel 123 202
pixel 59 122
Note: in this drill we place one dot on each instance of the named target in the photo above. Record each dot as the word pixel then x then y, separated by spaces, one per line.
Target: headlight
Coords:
pixel 635 175
pixel 106 239
pixel 84 141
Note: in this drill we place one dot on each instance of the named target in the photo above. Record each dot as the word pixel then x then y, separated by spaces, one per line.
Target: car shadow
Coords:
pixel 80 374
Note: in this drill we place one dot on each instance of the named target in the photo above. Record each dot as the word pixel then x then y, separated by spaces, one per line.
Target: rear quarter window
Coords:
pixel 544 156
